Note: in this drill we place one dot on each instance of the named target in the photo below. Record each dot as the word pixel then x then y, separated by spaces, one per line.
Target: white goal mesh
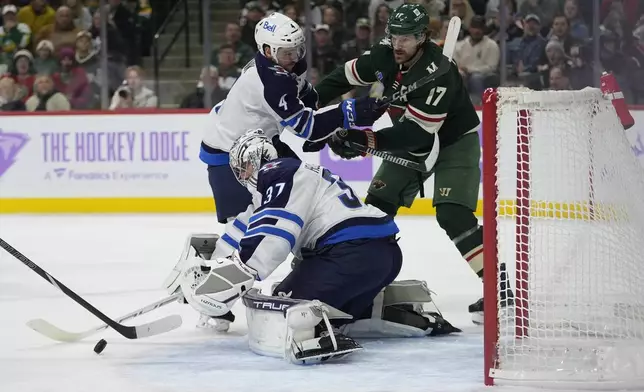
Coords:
pixel 568 200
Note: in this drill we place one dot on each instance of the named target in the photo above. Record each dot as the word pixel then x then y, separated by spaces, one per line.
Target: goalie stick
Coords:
pixel 51 331
pixel 446 62
pixel 156 327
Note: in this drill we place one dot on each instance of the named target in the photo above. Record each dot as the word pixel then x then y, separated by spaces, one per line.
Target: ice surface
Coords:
pixel 118 264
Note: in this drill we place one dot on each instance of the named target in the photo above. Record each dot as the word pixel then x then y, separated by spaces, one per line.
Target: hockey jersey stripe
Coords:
pixel 351 73
pixel 240 226
pixel 230 241
pixel 213 158
pixel 425 116
pixel 301 123
pixel 263 221
pixel 274 231
pixel 278 213
pixel 361 232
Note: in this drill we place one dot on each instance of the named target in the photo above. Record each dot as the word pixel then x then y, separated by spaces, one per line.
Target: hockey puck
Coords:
pixel 100 346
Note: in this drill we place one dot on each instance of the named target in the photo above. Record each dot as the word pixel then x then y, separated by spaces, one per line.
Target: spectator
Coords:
pixel 544 9
pixel 355 47
pixel 379 23
pixel 62 33
pixel 86 56
pixel 242 52
pixel 314 76
pixel 254 13
pixel 126 24
pixel 13 35
pixel 325 56
pixel 513 32
pixel 228 70
pixel 375 12
pixel 463 10
pixel 45 97
pixel 80 14
pixel 22 71
pixel 530 50
pixel 116 48
pixel 578 28
pixel 331 17
pixel 196 99
pixel 36 15
pixel 8 101
pixel 72 81
pixel 559 79
pixel 133 94
pixel 477 57
pixel 291 11
pixel 561 31
pixel 555 57
pixel 435 26
pixel 45 61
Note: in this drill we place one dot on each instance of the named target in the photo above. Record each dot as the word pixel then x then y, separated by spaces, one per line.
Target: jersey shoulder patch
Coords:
pixel 278 170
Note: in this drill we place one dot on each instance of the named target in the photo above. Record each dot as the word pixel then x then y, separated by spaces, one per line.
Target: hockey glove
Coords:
pixel 340 142
pixel 310 146
pixel 361 112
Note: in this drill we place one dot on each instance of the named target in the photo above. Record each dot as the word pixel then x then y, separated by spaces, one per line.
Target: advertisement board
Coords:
pixel 142 162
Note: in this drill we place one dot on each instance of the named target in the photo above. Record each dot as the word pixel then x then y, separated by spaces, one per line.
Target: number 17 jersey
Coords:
pixel 299 207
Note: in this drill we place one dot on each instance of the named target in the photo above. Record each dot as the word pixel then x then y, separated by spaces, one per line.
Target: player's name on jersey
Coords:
pixel 126 146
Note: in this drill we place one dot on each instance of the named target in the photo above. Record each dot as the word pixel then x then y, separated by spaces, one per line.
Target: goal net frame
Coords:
pixel 520 210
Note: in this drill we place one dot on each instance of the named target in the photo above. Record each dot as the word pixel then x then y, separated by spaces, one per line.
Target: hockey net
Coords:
pixel 564 233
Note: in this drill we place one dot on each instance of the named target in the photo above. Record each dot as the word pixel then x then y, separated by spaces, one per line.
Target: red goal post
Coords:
pixel 563 209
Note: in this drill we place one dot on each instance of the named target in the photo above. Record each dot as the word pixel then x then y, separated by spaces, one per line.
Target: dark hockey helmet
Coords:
pixel 408 19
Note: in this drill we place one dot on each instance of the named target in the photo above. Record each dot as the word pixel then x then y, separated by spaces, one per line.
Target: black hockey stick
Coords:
pixel 424 167
pixel 162 325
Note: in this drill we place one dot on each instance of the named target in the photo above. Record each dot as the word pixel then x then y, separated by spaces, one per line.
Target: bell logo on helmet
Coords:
pixel 268 26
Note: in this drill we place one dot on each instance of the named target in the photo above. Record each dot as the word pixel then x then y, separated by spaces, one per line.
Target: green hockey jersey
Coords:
pixel 442 106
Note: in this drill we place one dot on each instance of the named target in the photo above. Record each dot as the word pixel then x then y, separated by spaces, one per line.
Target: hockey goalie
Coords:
pixel 342 289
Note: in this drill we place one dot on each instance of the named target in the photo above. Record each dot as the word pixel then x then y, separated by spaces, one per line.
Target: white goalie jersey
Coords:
pixel 299 207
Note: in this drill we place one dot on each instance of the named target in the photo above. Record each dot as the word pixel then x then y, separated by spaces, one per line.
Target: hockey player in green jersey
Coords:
pixel 439 112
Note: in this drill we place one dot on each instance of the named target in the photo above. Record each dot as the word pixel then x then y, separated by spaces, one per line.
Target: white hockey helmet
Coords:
pixel 284 37
pixel 247 155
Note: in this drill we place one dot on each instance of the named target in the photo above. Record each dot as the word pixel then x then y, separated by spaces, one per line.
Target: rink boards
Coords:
pixel 148 162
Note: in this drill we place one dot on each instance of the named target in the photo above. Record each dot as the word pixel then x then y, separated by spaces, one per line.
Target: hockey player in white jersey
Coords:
pixel 349 252
pixel 272 94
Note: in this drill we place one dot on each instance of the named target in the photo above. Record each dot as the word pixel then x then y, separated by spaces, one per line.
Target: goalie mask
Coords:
pixel 248 154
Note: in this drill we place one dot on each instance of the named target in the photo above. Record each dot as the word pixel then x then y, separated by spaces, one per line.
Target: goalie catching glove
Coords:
pixel 213 290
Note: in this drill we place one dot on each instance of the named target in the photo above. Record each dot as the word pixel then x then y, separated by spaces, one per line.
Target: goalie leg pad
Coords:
pixel 398 311
pixel 285 328
pixel 197 247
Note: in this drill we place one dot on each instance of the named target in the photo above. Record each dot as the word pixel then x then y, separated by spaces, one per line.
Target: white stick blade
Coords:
pixel 160 326
pixel 451 37
pixel 44 328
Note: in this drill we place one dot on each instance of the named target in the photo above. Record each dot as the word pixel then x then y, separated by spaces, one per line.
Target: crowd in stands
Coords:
pixel 549 43
pixel 50 54
pixel 49 57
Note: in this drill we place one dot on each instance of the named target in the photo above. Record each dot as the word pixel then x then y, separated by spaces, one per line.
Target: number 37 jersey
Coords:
pixel 301 207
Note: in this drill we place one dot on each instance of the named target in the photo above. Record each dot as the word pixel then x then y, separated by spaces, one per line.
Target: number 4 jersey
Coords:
pixel 299 207
pixel 442 106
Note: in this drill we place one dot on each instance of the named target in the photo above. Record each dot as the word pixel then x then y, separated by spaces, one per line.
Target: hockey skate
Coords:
pixel 506 300
pixel 218 324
